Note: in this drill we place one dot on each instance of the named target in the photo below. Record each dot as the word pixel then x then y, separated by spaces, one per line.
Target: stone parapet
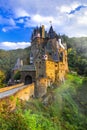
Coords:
pixel 10 87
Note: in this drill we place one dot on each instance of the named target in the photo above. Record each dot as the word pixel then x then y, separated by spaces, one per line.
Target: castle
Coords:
pixel 48 60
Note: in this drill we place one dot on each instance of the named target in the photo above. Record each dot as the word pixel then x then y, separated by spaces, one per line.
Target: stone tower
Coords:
pixel 49 55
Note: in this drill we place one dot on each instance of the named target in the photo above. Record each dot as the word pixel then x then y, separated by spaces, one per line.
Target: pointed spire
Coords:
pixel 51 32
pixel 51 29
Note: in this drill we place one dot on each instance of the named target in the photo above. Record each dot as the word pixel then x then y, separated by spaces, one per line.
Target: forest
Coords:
pixel 77 54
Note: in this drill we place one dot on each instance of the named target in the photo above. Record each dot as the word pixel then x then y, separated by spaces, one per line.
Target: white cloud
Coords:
pixel 20 21
pixel 11 22
pixel 41 12
pixel 7 21
pixel 19 12
pixel 69 24
pixel 67 8
pixel 4 30
pixel 82 20
pixel 14 45
pixel 8 28
pixel 38 18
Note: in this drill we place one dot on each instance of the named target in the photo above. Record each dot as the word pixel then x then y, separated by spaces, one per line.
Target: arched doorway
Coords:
pixel 28 79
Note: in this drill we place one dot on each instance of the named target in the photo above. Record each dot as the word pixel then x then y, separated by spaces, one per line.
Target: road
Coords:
pixel 10 92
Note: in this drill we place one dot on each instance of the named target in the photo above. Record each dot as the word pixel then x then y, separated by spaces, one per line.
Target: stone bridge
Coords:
pixel 9 95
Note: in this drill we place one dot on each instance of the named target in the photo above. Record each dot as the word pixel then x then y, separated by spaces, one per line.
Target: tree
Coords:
pixel 72 58
pixel 17 76
pixel 2 78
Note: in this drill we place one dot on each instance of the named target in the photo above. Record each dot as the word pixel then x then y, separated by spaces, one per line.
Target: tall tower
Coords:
pixel 43 31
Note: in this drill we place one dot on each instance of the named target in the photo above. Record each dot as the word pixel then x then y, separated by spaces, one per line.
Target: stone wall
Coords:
pixel 11 87
pixel 24 94
pixel 41 86
pixel 50 70
pixel 28 73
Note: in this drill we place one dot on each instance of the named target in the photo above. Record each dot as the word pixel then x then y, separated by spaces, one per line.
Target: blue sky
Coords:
pixel 19 17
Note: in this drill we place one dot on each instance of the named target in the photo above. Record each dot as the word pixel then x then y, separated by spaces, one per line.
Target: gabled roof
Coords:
pixel 28 68
pixel 18 64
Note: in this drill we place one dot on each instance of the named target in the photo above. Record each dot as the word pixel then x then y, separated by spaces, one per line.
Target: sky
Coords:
pixel 18 18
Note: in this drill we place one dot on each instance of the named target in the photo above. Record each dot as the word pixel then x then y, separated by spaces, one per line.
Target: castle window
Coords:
pixel 55 65
pixel 41 75
pixel 50 53
pixel 61 56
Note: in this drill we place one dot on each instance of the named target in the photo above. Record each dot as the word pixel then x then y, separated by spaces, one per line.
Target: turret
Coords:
pixel 51 33
pixel 43 31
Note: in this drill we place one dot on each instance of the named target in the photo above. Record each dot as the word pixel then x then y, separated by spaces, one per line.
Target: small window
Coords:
pixel 41 75
pixel 50 53
pixel 61 56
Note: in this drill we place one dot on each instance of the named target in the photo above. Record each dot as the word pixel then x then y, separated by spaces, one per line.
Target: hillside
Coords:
pixel 9 58
pixel 77 54
pixel 63 108
pixel 80 44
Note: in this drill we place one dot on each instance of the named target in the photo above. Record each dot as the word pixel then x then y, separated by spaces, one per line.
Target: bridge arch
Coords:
pixel 28 79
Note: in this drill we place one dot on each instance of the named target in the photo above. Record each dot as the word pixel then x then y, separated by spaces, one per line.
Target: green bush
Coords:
pixel 20 120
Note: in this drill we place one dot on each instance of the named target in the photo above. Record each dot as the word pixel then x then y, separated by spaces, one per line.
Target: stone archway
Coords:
pixel 28 79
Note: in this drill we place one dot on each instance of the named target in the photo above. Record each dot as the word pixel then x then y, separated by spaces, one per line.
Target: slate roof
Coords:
pixel 28 68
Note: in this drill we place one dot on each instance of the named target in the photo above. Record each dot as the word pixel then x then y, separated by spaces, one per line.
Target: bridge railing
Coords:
pixel 10 87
